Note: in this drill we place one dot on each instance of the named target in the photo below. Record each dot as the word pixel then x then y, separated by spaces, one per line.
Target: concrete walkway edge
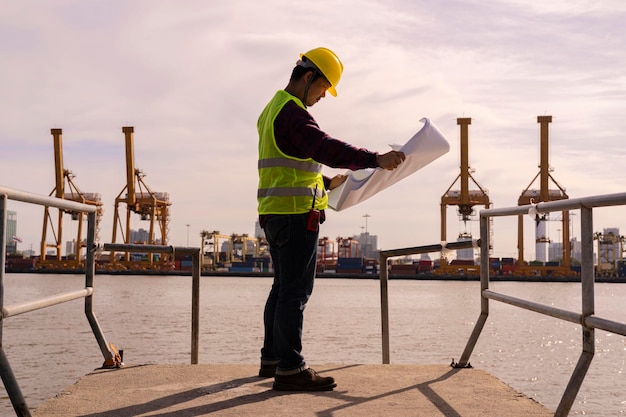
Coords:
pixel 236 390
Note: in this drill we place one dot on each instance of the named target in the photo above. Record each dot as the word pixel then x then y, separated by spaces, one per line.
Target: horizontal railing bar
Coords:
pixel 147 248
pixel 48 201
pixel 16 309
pixel 536 307
pixel 604 324
pixel 429 248
pixel 591 321
pixel 559 205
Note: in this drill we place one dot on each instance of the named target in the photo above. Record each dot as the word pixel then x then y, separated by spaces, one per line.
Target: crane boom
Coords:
pixel 131 198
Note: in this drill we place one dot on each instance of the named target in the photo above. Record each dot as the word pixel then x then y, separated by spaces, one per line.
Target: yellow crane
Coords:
pixel 212 239
pixel 464 197
pixel 140 199
pixel 610 253
pixel 544 194
pixel 65 188
pixel 242 240
pixel 326 256
pixel 348 247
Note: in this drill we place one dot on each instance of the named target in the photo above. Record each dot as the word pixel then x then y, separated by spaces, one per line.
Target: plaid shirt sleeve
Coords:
pixel 298 134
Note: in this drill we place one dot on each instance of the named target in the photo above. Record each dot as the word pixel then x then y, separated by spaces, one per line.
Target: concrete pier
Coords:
pixel 235 390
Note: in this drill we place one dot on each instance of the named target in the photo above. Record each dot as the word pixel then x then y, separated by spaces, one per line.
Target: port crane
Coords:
pixel 242 241
pixel 66 188
pixel 140 199
pixel 347 247
pixel 212 240
pixel 544 194
pixel 610 253
pixel 463 198
pixel 326 257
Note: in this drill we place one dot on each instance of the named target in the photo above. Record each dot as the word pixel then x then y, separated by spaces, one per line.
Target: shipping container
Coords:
pixel 494 264
pixel 465 262
pixel 508 269
pixel 242 264
pixel 425 265
pixel 349 270
pixel 350 263
pixel 243 269
pixel 370 269
pixel 403 269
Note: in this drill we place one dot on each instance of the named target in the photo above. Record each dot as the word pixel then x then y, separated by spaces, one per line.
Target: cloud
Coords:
pixel 192 77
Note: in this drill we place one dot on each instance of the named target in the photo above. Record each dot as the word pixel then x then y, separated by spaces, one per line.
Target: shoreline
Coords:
pixel 324 275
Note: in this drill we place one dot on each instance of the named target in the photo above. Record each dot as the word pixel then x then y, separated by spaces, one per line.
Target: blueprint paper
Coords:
pixel 424 147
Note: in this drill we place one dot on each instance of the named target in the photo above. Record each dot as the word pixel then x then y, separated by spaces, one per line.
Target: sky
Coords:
pixel 192 76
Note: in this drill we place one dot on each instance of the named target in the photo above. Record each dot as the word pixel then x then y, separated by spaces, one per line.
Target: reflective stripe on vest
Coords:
pixel 290 192
pixel 290 163
pixel 286 184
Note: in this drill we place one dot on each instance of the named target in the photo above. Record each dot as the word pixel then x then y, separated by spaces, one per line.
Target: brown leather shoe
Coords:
pixel 307 380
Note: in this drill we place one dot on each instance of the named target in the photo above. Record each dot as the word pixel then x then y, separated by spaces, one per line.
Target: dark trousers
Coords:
pixel 294 250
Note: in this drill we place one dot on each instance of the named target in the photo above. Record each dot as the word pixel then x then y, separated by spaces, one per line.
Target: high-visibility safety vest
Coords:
pixel 287 185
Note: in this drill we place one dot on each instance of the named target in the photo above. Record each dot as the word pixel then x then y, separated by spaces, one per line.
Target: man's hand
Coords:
pixel 337 180
pixel 390 160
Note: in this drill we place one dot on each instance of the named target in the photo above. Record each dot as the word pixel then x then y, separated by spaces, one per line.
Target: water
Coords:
pixel 149 317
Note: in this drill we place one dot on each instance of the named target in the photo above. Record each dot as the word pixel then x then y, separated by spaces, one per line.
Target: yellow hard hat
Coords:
pixel 328 63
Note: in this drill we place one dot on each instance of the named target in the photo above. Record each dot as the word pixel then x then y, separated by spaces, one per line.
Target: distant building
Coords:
pixel 466 254
pixel 368 245
pixel 555 250
pixel 258 231
pixel 11 233
pixel 577 249
pixel 139 236
pixel 70 247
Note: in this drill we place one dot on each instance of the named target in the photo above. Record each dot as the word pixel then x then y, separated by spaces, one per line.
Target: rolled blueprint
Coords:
pixel 424 147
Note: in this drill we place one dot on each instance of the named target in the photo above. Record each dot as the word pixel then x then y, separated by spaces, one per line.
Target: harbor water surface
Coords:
pixel 149 318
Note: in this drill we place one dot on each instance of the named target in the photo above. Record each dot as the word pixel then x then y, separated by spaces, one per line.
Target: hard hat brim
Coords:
pixel 331 89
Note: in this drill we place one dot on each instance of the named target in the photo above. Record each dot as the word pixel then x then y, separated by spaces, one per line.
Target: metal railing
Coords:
pixel 384 281
pixel 8 378
pixel 111 357
pixel 586 318
pixel 195 281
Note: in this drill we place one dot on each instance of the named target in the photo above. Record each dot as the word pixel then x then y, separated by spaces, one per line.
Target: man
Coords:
pixel 291 202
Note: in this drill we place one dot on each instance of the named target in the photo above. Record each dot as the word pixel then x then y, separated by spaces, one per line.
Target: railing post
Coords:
pixel 90 270
pixel 484 301
pixel 3 253
pixel 195 307
pixel 384 282
pixel 8 378
pixel 13 389
pixel 587 277
pixel 196 272
pixel 384 306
